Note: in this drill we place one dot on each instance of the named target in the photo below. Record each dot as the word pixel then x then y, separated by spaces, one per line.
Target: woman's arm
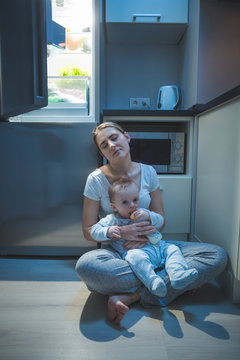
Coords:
pixel 128 232
pixel 156 204
pixel 89 216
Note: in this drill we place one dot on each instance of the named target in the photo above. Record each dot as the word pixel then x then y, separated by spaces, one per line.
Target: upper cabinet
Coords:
pixel 164 11
pixel 156 21
pixel 23 57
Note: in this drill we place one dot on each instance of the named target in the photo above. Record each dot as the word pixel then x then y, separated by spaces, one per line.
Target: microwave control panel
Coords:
pixel 177 153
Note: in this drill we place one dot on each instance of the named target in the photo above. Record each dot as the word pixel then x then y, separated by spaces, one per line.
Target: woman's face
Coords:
pixel 113 144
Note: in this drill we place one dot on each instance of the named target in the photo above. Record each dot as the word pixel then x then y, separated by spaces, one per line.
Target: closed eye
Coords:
pixel 103 145
pixel 114 137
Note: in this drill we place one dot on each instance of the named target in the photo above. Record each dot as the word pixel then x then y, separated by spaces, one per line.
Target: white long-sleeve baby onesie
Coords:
pixel 99 230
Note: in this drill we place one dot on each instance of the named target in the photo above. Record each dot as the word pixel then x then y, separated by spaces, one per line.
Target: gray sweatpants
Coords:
pixel 105 272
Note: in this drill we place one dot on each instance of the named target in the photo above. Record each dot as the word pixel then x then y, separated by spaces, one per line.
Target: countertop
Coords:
pixel 194 110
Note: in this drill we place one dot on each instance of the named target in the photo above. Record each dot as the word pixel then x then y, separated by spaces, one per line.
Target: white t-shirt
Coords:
pixel 96 188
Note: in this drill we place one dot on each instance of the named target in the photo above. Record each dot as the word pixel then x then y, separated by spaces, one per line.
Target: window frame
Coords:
pixel 71 114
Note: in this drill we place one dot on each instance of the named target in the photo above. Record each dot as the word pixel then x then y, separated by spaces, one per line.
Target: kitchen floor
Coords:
pixel 46 312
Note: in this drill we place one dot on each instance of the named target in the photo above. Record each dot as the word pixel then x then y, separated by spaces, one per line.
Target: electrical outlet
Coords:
pixel 140 103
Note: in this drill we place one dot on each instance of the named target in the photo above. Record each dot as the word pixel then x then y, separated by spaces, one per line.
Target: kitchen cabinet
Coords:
pixel 162 21
pixel 169 11
pixel 43 172
pixel 23 57
pixel 176 195
pixel 217 210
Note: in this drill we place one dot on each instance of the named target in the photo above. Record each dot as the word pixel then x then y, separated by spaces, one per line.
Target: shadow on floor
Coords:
pixel 190 310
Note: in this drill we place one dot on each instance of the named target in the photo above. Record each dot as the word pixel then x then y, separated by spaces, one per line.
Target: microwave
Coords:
pixel 165 151
pixel 161 145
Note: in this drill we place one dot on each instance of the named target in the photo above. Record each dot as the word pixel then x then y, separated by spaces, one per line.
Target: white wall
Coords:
pixel 135 70
pixel 189 56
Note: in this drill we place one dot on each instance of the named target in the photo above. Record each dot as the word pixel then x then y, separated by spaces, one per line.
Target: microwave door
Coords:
pixel 148 135
pixel 151 148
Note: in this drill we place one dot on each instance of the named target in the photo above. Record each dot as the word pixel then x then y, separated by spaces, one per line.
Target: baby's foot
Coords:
pixel 158 287
pixel 183 278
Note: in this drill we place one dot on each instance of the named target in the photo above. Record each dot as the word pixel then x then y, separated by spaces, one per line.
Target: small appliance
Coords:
pixel 163 150
pixel 161 145
pixel 169 97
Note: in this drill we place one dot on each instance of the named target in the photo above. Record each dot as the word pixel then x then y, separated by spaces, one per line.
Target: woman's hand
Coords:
pixel 135 234
pixel 135 230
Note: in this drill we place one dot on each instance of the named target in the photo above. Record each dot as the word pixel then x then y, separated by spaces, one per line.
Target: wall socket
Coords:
pixel 140 103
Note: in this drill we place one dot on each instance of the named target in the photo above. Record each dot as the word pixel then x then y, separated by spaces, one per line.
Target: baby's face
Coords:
pixel 127 201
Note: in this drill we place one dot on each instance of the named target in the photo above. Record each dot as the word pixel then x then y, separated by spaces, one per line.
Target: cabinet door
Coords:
pixel 168 11
pixel 176 195
pixel 217 214
pixel 23 57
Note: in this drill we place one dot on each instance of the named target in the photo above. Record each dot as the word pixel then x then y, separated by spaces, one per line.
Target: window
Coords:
pixel 71 70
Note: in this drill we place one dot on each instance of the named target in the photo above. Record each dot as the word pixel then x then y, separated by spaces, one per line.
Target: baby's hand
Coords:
pixel 140 215
pixel 114 232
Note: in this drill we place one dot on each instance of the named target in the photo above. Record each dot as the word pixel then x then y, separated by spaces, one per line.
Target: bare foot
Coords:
pixel 117 306
pixel 116 309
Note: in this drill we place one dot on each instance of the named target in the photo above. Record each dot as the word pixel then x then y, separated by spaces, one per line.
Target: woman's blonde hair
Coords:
pixel 105 125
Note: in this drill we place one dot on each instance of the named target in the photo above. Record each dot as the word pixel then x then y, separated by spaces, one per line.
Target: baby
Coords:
pixel 124 200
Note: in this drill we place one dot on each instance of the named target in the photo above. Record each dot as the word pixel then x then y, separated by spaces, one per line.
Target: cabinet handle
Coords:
pixel 39 53
pixel 157 16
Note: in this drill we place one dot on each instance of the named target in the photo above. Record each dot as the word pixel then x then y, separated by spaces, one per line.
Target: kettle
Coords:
pixel 169 97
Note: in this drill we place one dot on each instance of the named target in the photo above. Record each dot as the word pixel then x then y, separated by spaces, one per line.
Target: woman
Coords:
pixel 102 269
